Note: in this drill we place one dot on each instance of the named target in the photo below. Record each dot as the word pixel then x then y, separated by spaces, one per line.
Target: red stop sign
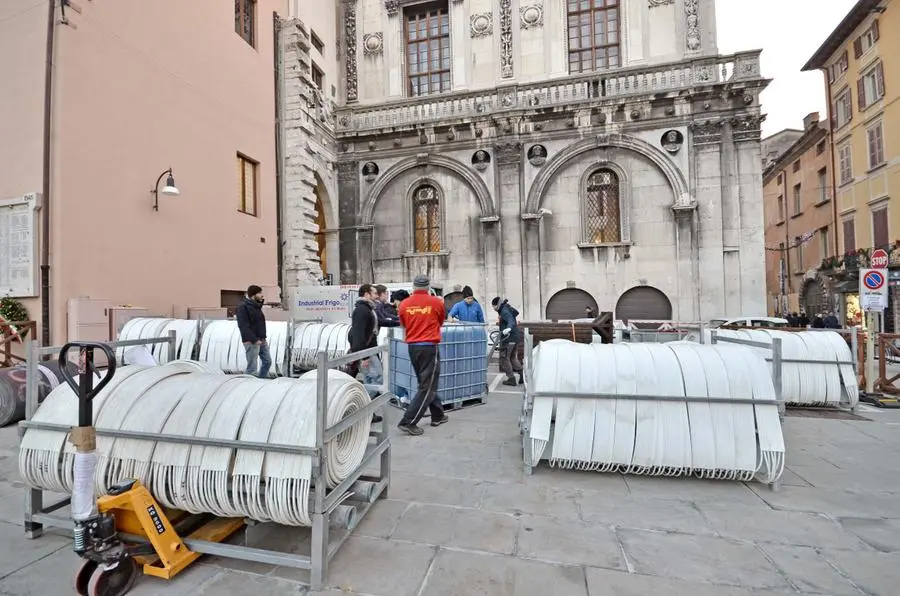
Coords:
pixel 879 259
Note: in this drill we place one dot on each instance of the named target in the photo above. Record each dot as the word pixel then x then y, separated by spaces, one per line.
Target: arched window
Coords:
pixel 426 219
pixel 602 213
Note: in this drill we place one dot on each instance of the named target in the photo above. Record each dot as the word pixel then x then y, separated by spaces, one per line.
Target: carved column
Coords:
pixel 749 189
pixel 692 26
pixel 394 48
pixel 350 43
pixel 506 40
pixel 459 36
pixel 706 185
pixel 348 208
pixel 510 247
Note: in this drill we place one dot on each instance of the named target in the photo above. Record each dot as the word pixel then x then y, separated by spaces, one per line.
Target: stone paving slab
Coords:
pixel 463 519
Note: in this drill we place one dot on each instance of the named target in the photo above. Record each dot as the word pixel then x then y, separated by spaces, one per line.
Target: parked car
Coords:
pixel 755 322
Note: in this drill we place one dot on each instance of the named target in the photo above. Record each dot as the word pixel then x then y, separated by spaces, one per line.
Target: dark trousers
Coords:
pixel 426 362
pixel 509 360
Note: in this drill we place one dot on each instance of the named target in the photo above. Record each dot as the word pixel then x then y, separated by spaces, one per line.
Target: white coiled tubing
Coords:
pixel 186 336
pixel 221 346
pixel 662 438
pixel 805 383
pixel 175 400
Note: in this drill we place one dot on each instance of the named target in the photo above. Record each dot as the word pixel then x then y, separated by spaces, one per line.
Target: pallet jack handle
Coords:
pixel 84 387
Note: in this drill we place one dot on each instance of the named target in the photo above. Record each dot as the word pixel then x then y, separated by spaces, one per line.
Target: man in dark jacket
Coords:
pixel 509 341
pixel 831 321
pixel 252 324
pixel 384 310
pixel 364 335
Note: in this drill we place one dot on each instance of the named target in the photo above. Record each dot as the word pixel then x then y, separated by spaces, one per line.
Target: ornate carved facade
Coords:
pixel 546 169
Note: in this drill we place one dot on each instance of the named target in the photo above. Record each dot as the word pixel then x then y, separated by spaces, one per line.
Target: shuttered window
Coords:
pixel 849 235
pixel 880 238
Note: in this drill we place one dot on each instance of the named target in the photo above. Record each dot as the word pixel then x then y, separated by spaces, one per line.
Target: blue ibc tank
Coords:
pixel 463 353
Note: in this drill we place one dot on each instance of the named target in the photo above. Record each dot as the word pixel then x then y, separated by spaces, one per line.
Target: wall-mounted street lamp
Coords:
pixel 170 190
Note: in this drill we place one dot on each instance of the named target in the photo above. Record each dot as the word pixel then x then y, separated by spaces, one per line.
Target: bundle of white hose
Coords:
pixel 649 436
pixel 222 346
pixel 807 383
pixel 186 336
pixel 225 481
pixel 312 338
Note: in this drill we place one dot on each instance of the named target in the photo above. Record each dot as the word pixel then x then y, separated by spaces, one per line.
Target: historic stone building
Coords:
pixel 562 153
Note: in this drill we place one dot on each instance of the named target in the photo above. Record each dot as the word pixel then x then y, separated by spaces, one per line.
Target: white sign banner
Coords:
pixel 329 304
pixel 18 246
pixel 873 289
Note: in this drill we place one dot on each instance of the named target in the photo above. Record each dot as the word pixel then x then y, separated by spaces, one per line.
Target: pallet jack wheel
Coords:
pixel 83 577
pixel 115 581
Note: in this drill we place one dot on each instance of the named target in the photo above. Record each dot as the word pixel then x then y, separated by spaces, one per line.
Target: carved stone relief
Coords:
pixel 706 132
pixel 481 159
pixel 373 44
pixel 655 3
pixel 392 7
pixel 482 24
pixel 671 141
pixel 747 128
pixel 506 39
pixel 350 43
pixel 508 153
pixel 692 21
pixel 532 17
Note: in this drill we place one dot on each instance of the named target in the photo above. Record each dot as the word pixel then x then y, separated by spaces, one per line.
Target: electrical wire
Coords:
pixel 656 437
pixel 225 481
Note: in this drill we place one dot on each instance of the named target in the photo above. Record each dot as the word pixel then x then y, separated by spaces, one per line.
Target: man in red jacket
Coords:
pixel 422 316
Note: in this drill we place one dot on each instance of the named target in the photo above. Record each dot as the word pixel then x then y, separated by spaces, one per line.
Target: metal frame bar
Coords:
pixel 530 395
pixel 324 501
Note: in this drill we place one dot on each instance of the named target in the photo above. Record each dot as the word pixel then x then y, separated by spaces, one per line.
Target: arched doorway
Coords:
pixel 451 299
pixel 569 304
pixel 814 298
pixel 320 235
pixel 643 303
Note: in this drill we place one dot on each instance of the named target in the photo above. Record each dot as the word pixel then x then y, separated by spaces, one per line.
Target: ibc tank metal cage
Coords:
pixel 463 353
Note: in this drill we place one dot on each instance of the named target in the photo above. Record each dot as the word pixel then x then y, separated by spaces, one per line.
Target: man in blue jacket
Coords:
pixel 252 324
pixel 467 310
pixel 509 341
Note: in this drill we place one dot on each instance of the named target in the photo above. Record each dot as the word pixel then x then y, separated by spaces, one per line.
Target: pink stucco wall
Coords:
pixel 140 87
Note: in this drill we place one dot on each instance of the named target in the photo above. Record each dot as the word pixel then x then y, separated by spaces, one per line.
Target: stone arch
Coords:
pixel 558 162
pixel 460 170
pixel 569 303
pixel 326 222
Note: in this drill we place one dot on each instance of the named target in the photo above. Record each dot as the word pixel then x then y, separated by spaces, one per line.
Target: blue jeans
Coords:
pixel 260 351
pixel 373 375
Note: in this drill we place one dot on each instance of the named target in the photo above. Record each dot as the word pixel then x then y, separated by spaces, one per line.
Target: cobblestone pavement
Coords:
pixel 462 519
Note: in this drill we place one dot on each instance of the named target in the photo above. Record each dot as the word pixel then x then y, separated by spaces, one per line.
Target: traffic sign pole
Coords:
pixel 873 289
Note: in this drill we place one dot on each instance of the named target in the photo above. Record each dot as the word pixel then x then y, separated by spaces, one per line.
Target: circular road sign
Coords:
pixel 873 280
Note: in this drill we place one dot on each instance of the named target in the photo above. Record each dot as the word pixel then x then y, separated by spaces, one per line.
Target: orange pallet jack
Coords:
pixel 126 531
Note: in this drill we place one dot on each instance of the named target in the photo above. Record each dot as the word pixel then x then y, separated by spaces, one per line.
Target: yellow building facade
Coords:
pixel 860 61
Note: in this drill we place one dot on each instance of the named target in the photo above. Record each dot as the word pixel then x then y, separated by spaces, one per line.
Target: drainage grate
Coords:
pixel 826 413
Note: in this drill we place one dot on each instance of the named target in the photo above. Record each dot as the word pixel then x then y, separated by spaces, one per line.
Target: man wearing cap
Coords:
pixel 422 316
pixel 251 323
pixel 467 310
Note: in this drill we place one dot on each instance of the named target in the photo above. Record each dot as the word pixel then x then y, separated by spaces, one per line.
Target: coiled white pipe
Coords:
pixel 221 346
pixel 229 482
pixel 807 383
pixel 186 336
pixel 311 338
pixel 661 438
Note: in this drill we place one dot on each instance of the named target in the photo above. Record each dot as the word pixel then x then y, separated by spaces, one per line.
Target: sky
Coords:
pixel 789 32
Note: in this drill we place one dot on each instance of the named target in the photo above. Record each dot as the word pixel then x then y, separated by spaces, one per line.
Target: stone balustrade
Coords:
pixel 568 91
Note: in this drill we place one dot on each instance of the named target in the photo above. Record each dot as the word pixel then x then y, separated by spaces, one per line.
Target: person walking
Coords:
pixel 509 341
pixel 422 316
pixel 252 324
pixel 467 310
pixel 364 335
